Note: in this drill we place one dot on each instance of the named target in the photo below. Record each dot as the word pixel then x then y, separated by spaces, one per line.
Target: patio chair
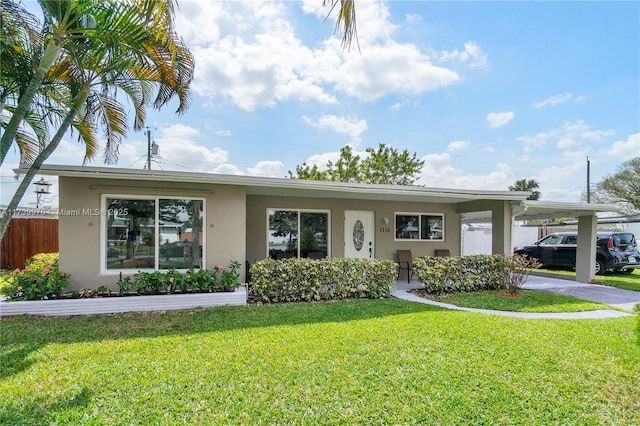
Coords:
pixel 405 262
pixel 443 253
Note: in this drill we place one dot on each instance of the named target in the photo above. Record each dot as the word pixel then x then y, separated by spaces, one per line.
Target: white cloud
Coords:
pixel 322 159
pixel 623 150
pixel 344 125
pixel 227 169
pixel 249 55
pixel 458 146
pixel 471 55
pixel 555 100
pixel 498 119
pixel 412 18
pixel 439 172
pixel 570 134
pixel 391 68
pixel 267 169
pixel 179 149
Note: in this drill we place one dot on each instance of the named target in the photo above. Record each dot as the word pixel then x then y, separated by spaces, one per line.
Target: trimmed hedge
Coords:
pixel 307 280
pixel 462 274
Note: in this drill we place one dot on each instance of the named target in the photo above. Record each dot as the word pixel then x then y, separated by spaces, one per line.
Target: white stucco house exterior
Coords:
pixel 115 221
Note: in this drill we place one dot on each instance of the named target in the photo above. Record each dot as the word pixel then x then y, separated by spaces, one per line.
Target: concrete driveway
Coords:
pixel 623 299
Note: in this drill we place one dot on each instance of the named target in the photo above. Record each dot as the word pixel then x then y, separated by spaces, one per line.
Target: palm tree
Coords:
pixel 527 185
pixel 346 19
pixel 70 26
pixel 98 69
pixel 20 47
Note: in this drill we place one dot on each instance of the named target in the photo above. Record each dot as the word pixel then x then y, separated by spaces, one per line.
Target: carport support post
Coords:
pixel 586 251
pixel 501 229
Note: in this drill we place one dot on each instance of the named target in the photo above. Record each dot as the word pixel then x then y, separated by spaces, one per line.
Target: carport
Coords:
pixel 503 215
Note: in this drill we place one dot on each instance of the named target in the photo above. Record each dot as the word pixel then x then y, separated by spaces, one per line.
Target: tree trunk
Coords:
pixel 48 58
pixel 40 159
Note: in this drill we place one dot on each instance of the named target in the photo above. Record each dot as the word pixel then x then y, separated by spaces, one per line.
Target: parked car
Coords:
pixel 614 251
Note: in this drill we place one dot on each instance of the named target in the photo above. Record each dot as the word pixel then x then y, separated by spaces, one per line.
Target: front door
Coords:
pixel 359 234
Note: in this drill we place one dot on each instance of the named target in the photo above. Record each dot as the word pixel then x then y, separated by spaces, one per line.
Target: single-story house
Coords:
pixel 115 221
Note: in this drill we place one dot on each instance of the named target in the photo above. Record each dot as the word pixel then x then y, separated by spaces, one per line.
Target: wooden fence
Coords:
pixel 26 237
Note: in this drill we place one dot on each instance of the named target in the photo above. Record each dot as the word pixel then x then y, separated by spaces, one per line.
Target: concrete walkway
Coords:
pixel 623 299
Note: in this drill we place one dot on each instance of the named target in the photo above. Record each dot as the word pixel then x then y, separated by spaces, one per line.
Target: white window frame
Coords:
pixel 156 219
pixel 328 212
pixel 419 214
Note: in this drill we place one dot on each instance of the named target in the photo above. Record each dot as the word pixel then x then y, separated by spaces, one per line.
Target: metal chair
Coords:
pixel 405 262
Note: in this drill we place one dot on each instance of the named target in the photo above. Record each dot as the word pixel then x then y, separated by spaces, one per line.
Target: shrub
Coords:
pixel 40 279
pixel 173 281
pixel 229 279
pixel 149 282
pixel 306 280
pixel 518 268
pixel 203 280
pixel 463 274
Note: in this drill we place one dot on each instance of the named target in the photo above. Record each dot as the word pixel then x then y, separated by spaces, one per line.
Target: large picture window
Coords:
pixel 419 226
pixel 152 233
pixel 298 233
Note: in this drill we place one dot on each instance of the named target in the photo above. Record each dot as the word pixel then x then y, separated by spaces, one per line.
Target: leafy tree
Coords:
pixel 308 241
pixel 388 166
pixel 527 185
pixel 133 51
pixel 284 223
pixel 384 165
pixel 622 187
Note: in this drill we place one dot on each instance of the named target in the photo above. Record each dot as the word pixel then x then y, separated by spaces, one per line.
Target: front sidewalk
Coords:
pixel 401 291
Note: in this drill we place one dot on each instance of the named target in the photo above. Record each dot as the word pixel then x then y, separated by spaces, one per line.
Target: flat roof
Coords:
pixel 523 209
pixel 257 185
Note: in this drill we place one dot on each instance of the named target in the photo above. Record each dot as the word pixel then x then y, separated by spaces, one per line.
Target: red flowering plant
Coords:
pixel 174 281
pixel 40 279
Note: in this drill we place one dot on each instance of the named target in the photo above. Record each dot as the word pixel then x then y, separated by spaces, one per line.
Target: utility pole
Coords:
pixel 148 133
pixel 152 148
pixel 588 180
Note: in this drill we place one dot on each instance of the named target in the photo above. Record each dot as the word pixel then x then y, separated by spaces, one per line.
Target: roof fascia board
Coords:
pixel 281 183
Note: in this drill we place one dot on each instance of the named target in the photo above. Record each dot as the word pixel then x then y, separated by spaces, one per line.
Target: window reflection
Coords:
pixel 180 229
pixel 130 234
pixel 419 226
pixel 135 240
pixel 294 233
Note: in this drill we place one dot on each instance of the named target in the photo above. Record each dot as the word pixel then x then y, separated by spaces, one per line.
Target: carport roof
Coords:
pixel 533 210
pixel 530 210
pixel 523 209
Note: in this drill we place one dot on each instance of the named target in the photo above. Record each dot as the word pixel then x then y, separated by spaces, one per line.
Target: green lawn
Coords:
pixel 626 281
pixel 350 362
pixel 527 301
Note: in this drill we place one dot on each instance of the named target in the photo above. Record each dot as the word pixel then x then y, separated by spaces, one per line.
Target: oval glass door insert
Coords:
pixel 358 235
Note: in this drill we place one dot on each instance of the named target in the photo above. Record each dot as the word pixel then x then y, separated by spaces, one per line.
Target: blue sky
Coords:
pixel 485 92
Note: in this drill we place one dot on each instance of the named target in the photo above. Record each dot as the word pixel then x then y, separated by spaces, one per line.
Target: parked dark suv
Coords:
pixel 614 251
